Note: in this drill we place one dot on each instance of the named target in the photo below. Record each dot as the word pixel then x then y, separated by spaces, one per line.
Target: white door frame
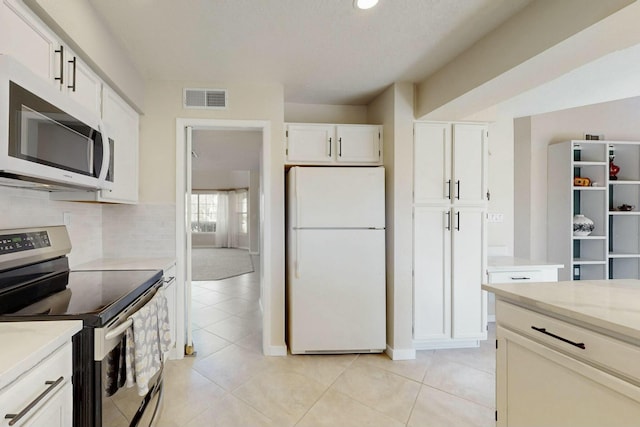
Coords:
pixel 183 264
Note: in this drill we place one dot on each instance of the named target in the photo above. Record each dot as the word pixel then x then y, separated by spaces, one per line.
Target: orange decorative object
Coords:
pixel 581 182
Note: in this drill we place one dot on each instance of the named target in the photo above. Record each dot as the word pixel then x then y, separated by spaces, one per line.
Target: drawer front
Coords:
pixel 589 346
pixel 34 383
pixel 523 276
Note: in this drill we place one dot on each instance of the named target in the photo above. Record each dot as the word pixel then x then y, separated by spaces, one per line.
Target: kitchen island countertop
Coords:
pixel 609 305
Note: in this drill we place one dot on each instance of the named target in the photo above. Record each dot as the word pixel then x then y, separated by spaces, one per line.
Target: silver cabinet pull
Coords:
pixel 340 147
pixel 448 213
pixel 17 417
pixel 329 147
pixel 458 221
pixel 458 189
pixel 449 189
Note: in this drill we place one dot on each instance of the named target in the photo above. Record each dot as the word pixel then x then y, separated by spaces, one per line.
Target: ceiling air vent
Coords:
pixel 205 98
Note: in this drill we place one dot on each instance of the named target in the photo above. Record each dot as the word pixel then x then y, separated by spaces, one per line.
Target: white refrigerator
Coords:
pixel 336 260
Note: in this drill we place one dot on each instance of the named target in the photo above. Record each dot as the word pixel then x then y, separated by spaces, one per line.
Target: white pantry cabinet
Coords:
pixel 553 373
pixel 170 292
pixel 25 37
pixel 449 257
pixel 329 144
pixel 450 162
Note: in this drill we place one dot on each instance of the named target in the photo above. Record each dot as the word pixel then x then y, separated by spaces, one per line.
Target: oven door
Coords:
pixel 122 406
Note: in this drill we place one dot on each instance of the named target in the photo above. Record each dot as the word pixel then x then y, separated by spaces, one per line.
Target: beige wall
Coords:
pixel 618 120
pixel 322 113
pixel 535 46
pixel 501 173
pixel 394 109
pixel 158 166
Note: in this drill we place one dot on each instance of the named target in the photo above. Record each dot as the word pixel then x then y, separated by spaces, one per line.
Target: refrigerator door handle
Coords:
pixel 297 261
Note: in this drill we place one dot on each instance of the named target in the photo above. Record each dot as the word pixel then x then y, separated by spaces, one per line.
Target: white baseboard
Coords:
pixel 275 350
pixel 441 344
pixel 400 354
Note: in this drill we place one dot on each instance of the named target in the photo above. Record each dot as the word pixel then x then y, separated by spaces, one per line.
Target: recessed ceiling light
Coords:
pixel 364 4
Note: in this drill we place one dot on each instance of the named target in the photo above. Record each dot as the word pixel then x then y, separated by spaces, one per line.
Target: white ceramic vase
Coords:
pixel 582 226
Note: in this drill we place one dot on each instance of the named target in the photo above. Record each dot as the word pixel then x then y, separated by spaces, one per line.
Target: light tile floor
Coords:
pixel 230 383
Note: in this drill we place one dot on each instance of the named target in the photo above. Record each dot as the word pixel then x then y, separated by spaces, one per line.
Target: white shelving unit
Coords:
pixel 613 249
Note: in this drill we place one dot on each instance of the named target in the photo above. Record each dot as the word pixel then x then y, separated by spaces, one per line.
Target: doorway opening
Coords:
pixel 220 171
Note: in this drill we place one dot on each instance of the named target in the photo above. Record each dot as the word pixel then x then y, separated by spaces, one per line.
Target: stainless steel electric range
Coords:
pixel 37 284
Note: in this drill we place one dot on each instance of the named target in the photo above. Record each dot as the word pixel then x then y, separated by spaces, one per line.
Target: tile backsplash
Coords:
pixel 96 230
pixel 21 208
pixel 139 230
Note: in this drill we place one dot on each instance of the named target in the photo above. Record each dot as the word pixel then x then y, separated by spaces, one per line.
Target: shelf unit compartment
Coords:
pixel 596 172
pixel 624 268
pixel 589 271
pixel 589 151
pixel 589 251
pixel 624 194
pixel 624 234
pixel 627 158
pixel 592 204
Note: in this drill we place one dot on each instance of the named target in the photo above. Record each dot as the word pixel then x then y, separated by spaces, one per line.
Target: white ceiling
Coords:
pixel 322 51
pixel 226 150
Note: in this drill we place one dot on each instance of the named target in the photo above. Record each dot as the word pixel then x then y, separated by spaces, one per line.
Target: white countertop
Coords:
pixel 507 263
pixel 127 264
pixel 25 344
pixel 612 305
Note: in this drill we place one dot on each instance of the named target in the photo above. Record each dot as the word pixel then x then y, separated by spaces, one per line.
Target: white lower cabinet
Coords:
pixel 561 374
pixel 449 258
pixel 42 396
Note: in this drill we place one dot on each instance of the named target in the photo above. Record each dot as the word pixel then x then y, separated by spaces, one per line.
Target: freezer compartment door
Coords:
pixel 336 291
pixel 338 197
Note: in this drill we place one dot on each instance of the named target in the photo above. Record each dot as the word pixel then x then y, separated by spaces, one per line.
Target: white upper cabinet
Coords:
pixel 450 163
pixel 310 143
pixel 81 83
pixel 27 39
pixel 470 152
pixel 432 163
pixel 359 143
pixel 326 144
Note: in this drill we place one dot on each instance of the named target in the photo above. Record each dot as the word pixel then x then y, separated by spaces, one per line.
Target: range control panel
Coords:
pixel 18 242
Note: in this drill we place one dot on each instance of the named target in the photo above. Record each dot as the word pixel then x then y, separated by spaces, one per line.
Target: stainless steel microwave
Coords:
pixel 47 140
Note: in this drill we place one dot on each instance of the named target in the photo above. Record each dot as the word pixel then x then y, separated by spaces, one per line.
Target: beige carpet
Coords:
pixel 219 263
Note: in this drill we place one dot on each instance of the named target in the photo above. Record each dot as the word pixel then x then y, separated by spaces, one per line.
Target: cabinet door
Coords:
pixel 469 301
pixel 121 124
pixel 310 143
pixel 359 143
pixel 26 39
pixel 470 151
pixel 432 163
pixel 538 386
pixel 57 412
pixel 432 266
pixel 82 84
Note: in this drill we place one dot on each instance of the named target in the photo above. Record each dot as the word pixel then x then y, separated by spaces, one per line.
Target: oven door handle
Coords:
pixel 118 330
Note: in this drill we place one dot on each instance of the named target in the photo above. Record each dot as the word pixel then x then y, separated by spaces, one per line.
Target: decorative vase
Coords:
pixel 613 169
pixel 582 226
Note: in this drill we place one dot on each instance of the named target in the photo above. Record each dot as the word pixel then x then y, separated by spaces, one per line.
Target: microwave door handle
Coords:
pixel 106 154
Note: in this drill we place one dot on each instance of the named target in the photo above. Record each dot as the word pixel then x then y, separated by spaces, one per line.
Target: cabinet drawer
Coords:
pixel 34 383
pixel 589 346
pixel 523 276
